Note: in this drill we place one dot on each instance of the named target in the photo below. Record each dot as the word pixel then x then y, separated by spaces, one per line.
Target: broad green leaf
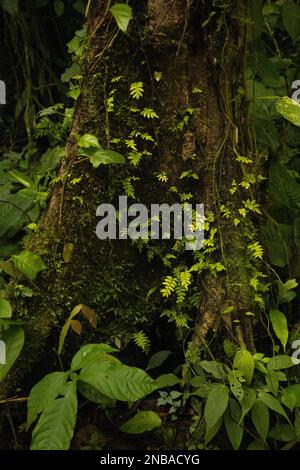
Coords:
pixel 142 422
pixel 55 427
pixel 22 178
pixel 283 433
pixel 235 385
pixel 118 381
pixel 211 432
pixel 122 14
pixel 88 140
pixel 166 380
pixel 291 396
pixel 86 351
pixel 234 424
pixel 157 359
pixel 272 403
pixel 289 109
pixel 43 393
pixel 279 324
pixel 214 368
pixel 272 381
pixel 291 20
pixel 280 362
pixel 198 380
pixel 256 445
pixel 5 309
pixel 285 294
pixel 104 157
pixel 29 264
pixel 291 284
pixel 13 339
pixel 260 418
pixel 244 362
pixel 216 404
pixel 91 394
pixel 248 401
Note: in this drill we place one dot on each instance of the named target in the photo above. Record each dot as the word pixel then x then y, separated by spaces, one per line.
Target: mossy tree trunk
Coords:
pixel 190 73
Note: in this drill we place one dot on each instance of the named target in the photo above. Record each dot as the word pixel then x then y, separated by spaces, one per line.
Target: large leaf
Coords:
pixel 283 433
pixel 280 326
pixel 166 380
pixel 13 339
pixel 142 422
pixel 234 424
pixel 157 359
pixel 235 385
pixel 81 357
pixel 29 264
pixel 55 427
pixel 291 396
pixel 118 381
pixel 122 14
pixel 104 157
pixel 291 20
pixel 280 362
pixel 88 140
pixel 272 403
pixel 244 362
pixel 5 309
pixel 93 395
pixel 216 369
pixel 43 393
pixel 289 109
pixel 248 401
pixel 217 402
pixel 261 419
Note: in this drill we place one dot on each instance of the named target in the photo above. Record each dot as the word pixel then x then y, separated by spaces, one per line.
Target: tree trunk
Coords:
pixel 199 71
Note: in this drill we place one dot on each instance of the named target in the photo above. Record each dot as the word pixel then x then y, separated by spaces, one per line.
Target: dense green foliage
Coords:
pixel 234 396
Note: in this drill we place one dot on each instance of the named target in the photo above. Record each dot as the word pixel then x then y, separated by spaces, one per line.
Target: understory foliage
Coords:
pixel 235 395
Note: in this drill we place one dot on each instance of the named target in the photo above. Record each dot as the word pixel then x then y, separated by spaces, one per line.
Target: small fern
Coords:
pixel 180 293
pixel 130 143
pixel 134 158
pixel 169 284
pixel 180 319
pixel 157 76
pixel 137 90
pixel 149 113
pixel 141 340
pixel 256 250
pixel 185 279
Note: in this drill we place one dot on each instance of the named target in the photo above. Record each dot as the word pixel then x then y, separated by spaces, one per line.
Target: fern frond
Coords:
pixel 137 90
pixel 169 284
pixel 141 340
pixel 149 113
